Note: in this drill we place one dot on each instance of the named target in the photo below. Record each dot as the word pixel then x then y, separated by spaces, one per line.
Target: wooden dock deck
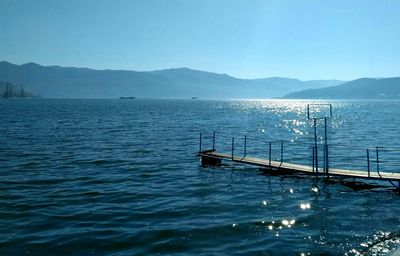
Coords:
pixel 213 157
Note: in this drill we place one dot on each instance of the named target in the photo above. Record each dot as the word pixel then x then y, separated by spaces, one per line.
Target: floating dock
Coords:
pixel 321 155
pixel 212 157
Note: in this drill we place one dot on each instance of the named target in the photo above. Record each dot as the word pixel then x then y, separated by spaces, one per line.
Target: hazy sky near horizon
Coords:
pixel 309 39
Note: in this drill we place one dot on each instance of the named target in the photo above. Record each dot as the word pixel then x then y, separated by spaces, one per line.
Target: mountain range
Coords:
pixel 364 88
pixel 71 82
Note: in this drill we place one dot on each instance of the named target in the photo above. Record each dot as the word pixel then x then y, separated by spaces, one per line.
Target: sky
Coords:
pixel 307 39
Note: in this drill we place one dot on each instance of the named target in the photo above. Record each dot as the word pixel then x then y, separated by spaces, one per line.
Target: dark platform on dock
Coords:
pixel 213 157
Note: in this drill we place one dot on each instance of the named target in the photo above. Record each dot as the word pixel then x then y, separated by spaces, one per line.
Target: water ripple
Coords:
pixel 109 177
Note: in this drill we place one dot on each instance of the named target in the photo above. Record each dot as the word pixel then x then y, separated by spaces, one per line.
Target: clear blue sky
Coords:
pixel 308 39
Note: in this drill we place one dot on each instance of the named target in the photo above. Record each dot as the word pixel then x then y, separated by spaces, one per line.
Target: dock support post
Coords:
pixel 245 146
pixel 233 146
pixel 315 144
pixel 326 132
pixel 369 171
pixel 313 159
pixel 213 141
pixel 281 152
pixel 200 143
pixel 324 158
pixel 377 159
pixel 326 146
pixel 270 153
pixel 327 158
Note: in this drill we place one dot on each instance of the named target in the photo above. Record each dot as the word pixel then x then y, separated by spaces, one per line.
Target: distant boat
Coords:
pixel 127 98
pixel 194 98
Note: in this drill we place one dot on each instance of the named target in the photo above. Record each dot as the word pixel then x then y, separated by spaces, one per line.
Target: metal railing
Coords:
pixel 323 156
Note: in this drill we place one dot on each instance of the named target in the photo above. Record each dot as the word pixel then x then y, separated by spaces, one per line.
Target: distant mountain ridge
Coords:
pixel 364 88
pixel 71 82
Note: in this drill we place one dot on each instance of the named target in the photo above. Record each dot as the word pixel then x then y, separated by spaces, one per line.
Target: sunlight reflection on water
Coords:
pixel 122 177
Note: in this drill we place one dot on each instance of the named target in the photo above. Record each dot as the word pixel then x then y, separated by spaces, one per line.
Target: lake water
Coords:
pixel 121 177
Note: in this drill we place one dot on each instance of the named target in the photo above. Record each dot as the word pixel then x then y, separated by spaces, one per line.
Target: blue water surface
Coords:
pixel 121 177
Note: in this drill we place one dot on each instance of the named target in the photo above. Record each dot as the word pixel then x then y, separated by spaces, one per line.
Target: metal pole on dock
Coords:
pixel 281 151
pixel 326 133
pixel 377 159
pixel 324 158
pixel 313 160
pixel 326 147
pixel 245 145
pixel 315 144
pixel 213 141
pixel 233 144
pixel 270 152
pixel 327 158
pixel 368 163
pixel 200 144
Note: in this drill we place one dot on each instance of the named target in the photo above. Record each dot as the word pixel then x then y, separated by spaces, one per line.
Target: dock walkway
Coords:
pixel 319 153
pixel 214 157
